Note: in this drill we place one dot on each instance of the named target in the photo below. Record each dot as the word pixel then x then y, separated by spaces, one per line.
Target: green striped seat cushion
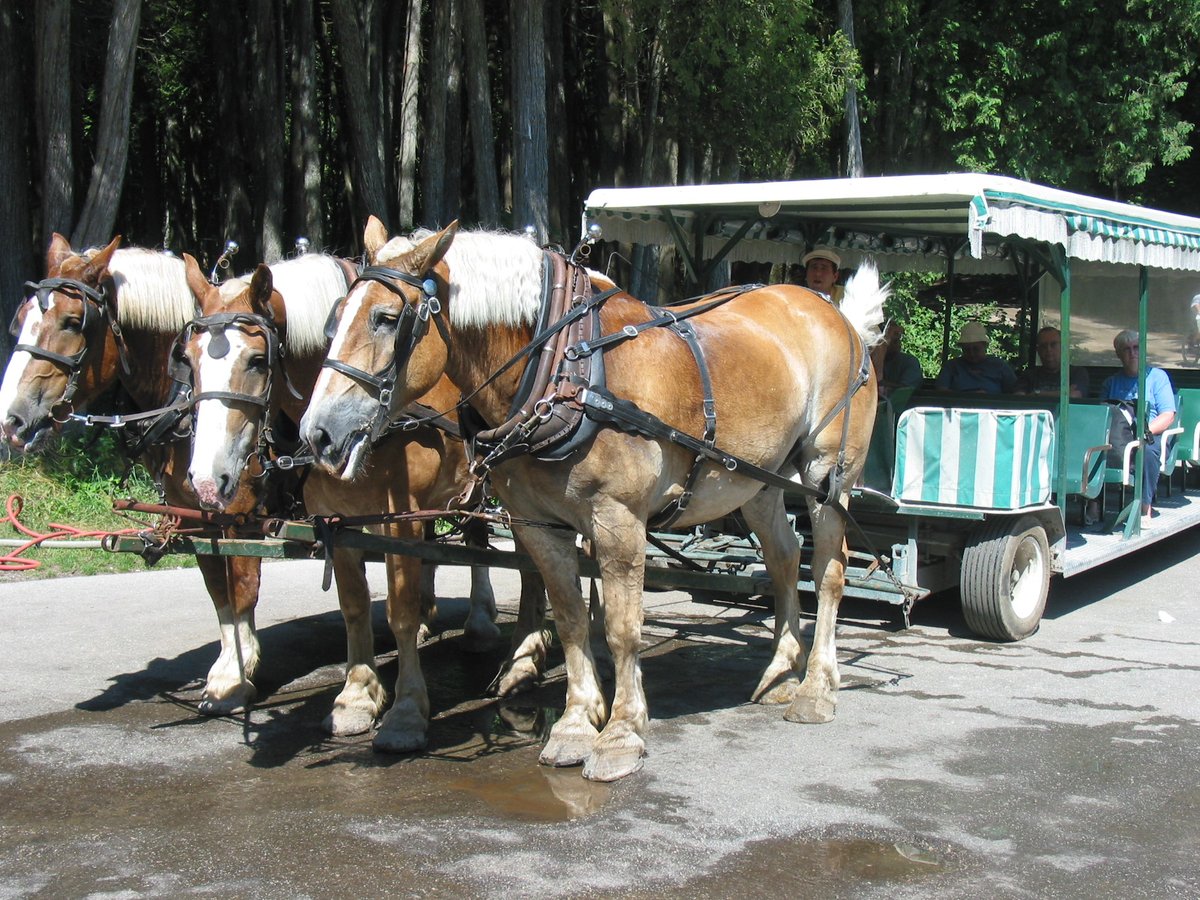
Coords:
pixel 984 458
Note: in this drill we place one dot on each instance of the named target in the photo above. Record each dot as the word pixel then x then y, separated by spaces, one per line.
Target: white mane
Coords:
pixel 495 278
pixel 152 290
pixel 309 285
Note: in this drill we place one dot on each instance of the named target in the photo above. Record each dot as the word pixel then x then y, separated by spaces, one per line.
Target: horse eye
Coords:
pixel 257 363
pixel 73 324
pixel 385 320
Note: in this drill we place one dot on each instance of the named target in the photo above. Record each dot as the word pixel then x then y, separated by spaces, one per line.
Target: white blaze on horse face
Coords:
pixel 350 308
pixel 19 360
pixel 216 451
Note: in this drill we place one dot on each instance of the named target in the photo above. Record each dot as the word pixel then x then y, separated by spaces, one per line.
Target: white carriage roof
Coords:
pixel 903 221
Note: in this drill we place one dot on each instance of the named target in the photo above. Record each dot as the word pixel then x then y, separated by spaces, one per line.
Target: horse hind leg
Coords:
pixel 480 632
pixel 815 701
pixel 363 696
pixel 767 518
pixel 233 584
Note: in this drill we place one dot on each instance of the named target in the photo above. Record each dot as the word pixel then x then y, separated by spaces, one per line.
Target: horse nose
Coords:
pixel 11 428
pixel 212 490
pixel 320 441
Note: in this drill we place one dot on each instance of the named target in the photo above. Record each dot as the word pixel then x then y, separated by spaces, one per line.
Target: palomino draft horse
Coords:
pixel 110 315
pixel 253 351
pixel 772 377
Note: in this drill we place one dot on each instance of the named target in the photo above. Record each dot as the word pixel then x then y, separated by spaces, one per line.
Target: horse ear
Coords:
pixel 375 235
pixel 430 251
pixel 60 250
pixel 97 266
pixel 197 283
pixel 261 289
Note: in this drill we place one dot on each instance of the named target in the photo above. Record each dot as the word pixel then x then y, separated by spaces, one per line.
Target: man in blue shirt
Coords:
pixel 1160 408
pixel 976 371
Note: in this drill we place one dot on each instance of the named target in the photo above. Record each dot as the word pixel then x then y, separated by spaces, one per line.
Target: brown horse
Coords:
pixel 254 350
pixel 784 370
pixel 110 315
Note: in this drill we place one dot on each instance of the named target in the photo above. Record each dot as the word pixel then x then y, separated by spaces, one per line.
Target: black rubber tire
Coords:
pixel 1006 578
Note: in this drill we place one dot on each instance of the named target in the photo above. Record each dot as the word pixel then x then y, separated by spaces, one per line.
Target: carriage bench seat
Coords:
pixel 976 458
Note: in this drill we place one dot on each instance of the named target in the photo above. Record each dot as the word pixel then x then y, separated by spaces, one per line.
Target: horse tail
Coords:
pixel 862 303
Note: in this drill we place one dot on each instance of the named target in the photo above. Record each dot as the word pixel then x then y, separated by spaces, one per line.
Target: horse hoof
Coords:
pixel 567 750
pixel 347 721
pixel 611 763
pixel 237 702
pixel 480 638
pixel 810 710
pixel 779 691
pixel 398 741
pixel 522 675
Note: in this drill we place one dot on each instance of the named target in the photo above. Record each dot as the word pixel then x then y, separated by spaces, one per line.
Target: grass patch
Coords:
pixel 74 484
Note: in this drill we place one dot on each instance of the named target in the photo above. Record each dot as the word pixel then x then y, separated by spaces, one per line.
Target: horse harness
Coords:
pixel 562 399
pixel 98 308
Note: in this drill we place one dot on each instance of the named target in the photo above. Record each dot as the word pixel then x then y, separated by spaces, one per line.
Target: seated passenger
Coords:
pixel 1121 388
pixel 1044 377
pixel 975 371
pixel 893 367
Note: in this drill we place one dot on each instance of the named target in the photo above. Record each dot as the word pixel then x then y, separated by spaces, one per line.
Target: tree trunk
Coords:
pixel 612 118
pixel 438 205
pixel 264 131
pixel 358 39
pixel 52 24
pixel 16 229
pixel 236 222
pixel 854 157
pixel 409 118
pixel 306 206
pixel 112 141
pixel 562 224
pixel 479 109
pixel 531 181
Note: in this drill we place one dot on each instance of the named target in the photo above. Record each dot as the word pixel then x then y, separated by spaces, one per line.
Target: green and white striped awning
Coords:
pixel 905 222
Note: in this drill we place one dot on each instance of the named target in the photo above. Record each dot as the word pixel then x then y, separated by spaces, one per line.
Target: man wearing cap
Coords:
pixel 975 371
pixel 821 267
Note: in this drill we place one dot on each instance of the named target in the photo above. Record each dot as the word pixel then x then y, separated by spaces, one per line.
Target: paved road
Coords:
pixel 1063 766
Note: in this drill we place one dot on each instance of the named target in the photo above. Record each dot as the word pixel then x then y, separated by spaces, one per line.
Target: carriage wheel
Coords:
pixel 1006 578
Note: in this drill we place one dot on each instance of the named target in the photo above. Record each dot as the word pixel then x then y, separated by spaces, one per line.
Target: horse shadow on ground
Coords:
pixel 692 666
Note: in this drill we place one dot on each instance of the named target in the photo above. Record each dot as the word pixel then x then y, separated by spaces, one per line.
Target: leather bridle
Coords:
pixel 97 309
pixel 412 326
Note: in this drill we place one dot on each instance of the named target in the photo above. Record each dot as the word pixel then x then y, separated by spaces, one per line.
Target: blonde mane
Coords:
pixel 495 278
pixel 309 285
pixel 152 290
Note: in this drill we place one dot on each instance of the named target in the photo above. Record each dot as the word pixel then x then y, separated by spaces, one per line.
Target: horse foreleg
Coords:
pixel 619 539
pixel 363 696
pixel 574 734
pixel 767 518
pixel 815 700
pixel 233 584
pixel 406 723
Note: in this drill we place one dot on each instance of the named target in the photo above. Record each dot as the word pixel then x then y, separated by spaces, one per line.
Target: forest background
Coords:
pixel 183 124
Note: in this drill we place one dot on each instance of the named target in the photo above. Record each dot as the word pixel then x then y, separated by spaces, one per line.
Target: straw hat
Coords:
pixel 973 333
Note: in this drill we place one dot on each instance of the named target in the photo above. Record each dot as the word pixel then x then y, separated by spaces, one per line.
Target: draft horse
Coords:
pixel 775 379
pixel 254 352
pixel 111 315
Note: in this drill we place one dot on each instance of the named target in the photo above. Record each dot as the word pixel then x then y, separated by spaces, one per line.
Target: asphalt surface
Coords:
pixel 1063 766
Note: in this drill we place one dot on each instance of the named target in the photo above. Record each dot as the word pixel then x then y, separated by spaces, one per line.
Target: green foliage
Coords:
pixel 73 484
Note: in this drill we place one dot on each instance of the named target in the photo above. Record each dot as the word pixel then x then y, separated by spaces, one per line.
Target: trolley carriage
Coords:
pixel 982 493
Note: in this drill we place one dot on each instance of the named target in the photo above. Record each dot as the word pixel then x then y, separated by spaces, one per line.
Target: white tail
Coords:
pixel 862 303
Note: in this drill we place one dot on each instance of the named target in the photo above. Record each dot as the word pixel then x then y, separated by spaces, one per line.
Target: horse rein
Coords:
pixel 97 307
